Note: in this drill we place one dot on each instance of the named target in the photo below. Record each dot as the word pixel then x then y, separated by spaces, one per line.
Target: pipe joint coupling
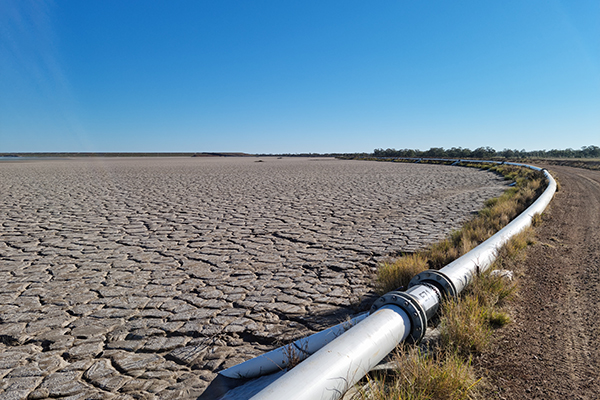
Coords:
pixel 437 279
pixel 410 305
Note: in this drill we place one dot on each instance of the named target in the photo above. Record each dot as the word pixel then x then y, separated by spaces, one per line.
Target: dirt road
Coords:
pixel 552 350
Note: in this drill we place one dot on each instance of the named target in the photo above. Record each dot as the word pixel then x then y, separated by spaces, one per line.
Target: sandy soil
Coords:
pixel 552 350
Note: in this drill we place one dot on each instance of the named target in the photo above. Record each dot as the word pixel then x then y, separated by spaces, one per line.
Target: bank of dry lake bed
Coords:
pixel 143 277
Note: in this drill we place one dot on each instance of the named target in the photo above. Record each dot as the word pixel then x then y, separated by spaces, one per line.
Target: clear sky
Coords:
pixel 298 76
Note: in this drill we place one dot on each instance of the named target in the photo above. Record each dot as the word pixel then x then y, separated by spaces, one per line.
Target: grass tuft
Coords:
pixel 536 220
pixel 464 326
pixel 491 290
pixel 510 255
pixel 418 376
pixel 498 319
pixel 397 274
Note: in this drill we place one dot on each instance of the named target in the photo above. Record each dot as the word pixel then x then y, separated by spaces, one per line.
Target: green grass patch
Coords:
pixel 464 326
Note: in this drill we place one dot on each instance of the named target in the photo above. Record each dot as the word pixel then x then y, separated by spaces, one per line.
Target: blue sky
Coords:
pixel 298 76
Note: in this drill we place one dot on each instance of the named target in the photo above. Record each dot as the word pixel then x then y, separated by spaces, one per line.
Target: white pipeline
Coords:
pixel 395 317
pixel 339 365
pixel 280 358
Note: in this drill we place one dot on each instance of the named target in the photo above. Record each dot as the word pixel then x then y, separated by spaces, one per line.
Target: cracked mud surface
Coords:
pixel 140 278
pixel 552 349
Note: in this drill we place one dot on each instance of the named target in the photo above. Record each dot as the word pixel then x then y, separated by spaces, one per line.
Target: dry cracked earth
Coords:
pixel 142 278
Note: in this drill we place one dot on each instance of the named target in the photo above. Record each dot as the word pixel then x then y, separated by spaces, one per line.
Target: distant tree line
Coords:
pixel 488 152
pixel 309 155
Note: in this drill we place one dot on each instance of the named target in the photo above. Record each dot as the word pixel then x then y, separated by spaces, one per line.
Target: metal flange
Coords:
pixel 436 278
pixel 411 307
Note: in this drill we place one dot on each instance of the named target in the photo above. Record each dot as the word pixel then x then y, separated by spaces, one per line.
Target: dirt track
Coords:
pixel 552 350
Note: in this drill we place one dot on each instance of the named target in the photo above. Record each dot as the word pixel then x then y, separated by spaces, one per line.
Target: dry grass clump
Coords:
pixel 397 274
pixel 466 324
pixel 418 376
pixel 294 355
pixel 536 220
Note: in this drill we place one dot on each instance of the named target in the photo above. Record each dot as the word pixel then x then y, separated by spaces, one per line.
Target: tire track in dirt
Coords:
pixel 552 350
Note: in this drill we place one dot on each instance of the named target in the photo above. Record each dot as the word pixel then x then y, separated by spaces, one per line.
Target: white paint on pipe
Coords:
pixel 278 359
pixel 332 370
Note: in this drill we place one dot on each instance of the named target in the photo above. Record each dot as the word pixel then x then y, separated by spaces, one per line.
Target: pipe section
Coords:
pixel 279 359
pixel 454 277
pixel 419 303
pixel 328 373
